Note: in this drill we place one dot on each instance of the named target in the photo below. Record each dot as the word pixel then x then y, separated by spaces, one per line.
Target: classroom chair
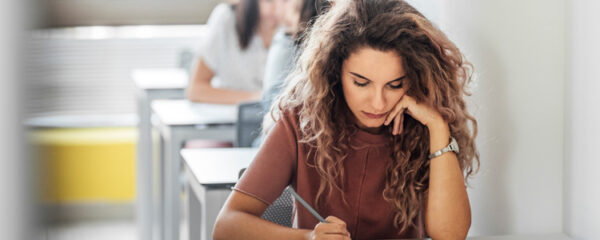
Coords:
pixel 281 210
pixel 249 123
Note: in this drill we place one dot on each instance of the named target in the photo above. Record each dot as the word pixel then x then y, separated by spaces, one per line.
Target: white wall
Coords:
pixel 58 58
pixel 432 9
pixel 517 48
pixel 15 204
pixel 582 129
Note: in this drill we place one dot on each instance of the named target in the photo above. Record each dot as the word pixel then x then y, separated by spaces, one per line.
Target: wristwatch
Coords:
pixel 453 146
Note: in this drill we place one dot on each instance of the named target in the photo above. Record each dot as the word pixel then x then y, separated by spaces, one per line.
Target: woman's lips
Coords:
pixel 374 116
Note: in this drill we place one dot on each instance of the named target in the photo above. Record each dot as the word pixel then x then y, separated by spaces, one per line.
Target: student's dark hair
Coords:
pixel 246 21
pixel 308 13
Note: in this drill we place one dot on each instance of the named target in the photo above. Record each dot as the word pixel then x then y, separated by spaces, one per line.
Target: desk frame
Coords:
pixel 206 200
pixel 208 191
pixel 148 202
pixel 173 137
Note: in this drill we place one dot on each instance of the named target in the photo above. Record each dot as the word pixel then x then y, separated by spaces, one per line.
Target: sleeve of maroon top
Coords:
pixel 275 163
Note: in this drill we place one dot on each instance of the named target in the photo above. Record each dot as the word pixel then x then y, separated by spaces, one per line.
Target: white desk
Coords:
pixel 210 175
pixel 524 237
pixel 179 121
pixel 212 172
pixel 151 84
pixel 517 237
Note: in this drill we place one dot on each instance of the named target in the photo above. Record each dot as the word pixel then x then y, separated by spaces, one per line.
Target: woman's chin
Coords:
pixel 372 124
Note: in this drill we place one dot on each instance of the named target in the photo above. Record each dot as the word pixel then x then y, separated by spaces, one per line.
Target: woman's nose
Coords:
pixel 378 101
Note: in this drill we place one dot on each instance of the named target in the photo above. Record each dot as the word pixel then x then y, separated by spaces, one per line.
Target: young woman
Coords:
pixel 232 57
pixel 377 94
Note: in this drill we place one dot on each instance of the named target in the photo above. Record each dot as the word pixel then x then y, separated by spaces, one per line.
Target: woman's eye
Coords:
pixel 395 86
pixel 360 84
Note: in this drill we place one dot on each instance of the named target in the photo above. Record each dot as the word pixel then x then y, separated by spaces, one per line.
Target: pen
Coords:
pixel 305 204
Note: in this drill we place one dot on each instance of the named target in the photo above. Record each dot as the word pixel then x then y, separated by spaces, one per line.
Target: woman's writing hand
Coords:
pixel 423 113
pixel 333 229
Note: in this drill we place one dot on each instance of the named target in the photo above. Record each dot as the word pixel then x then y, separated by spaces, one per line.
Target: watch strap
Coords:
pixel 452 146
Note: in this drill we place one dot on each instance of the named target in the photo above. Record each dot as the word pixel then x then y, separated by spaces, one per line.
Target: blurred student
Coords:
pixel 282 54
pixel 231 62
pixel 372 130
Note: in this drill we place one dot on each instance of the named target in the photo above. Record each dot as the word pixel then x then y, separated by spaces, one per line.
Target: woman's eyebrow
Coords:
pixel 398 79
pixel 360 76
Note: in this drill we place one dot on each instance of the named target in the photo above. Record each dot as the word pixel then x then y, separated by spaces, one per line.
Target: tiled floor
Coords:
pixel 96 230
pixel 100 222
pixel 92 230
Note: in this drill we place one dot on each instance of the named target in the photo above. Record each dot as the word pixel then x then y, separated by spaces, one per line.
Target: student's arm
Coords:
pixel 447 208
pixel 240 219
pixel 200 90
pixel 264 180
pixel 448 212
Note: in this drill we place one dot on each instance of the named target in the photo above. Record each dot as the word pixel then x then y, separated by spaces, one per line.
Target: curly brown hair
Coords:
pixel 437 74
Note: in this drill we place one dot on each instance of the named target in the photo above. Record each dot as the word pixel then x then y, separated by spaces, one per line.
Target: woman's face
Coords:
pixel 373 82
pixel 271 12
pixel 292 15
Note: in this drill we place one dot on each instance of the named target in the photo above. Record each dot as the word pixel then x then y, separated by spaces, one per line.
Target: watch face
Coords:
pixel 454 145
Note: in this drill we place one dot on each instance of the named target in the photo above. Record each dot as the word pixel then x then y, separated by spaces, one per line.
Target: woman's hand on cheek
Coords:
pixel 423 113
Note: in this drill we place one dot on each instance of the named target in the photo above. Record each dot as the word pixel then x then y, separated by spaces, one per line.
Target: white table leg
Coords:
pixel 211 202
pixel 174 137
pixel 149 179
pixel 144 206
pixel 193 213
pixel 172 187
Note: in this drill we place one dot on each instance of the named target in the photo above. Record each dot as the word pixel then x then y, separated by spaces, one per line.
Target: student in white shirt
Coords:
pixel 231 62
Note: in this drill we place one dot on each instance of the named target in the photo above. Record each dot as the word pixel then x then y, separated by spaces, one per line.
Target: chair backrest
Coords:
pixel 186 59
pixel 281 210
pixel 249 122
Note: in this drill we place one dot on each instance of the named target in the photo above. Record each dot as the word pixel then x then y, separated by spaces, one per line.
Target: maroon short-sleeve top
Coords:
pixel 282 160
